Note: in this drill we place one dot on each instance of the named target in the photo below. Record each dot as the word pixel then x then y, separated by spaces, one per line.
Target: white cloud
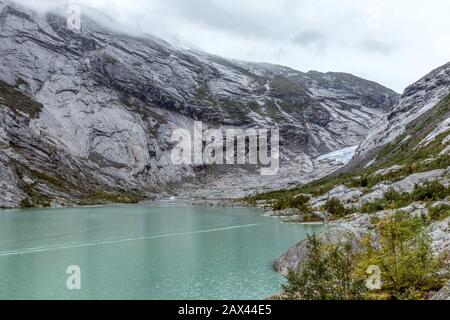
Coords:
pixel 392 42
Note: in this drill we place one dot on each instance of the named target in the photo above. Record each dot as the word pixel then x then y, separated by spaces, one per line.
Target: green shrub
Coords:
pixel 439 213
pixel 335 207
pixel 328 274
pixel 364 182
pixel 403 252
pixel 35 200
pixel 432 191
pixel 391 195
pixel 300 202
pixel 26 203
pixel 405 256
pixel 374 206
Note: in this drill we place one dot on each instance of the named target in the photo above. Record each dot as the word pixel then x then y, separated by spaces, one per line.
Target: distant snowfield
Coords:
pixel 343 156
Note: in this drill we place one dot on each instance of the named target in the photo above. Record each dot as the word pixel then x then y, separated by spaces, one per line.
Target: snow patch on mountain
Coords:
pixel 343 156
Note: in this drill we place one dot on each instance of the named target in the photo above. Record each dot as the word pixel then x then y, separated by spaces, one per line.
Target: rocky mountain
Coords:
pixel 418 99
pixel 402 166
pixel 87 116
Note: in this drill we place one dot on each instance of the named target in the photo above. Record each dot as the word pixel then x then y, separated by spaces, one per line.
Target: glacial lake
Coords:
pixel 154 251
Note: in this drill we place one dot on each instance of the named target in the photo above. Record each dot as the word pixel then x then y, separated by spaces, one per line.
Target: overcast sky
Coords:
pixel 393 42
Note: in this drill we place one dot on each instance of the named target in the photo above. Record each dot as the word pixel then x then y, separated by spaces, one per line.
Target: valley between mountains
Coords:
pixel 86 118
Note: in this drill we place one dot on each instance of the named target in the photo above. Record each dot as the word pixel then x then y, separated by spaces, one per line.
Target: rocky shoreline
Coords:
pixel 356 226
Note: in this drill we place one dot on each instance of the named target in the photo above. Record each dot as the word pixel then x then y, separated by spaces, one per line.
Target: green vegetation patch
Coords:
pixel 18 102
pixel 34 198
pixel 330 273
pixel 439 213
pixel 56 182
pixel 409 268
pixel 335 207
pixel 300 202
pixel 202 92
pixel 432 191
pixel 104 197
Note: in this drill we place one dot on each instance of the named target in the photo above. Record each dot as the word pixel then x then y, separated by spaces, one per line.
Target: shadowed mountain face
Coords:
pixel 87 117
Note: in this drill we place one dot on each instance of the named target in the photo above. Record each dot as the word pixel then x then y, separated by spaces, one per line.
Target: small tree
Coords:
pixel 405 256
pixel 328 274
pixel 400 247
pixel 301 202
pixel 335 207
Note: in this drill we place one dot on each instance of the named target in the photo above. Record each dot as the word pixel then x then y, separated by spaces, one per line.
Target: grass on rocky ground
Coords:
pixel 408 267
pixel 82 194
pixel 428 193
pixel 17 101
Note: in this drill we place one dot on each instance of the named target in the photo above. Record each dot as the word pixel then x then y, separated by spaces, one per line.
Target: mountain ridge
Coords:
pixel 110 102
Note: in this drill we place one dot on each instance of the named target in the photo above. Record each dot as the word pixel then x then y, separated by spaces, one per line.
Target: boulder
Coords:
pixel 440 236
pixel 296 256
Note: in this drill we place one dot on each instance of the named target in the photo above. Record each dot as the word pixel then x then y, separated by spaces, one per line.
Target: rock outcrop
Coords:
pixel 417 99
pixel 296 256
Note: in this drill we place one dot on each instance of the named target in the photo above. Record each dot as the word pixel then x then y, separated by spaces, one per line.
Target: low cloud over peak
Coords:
pixel 391 42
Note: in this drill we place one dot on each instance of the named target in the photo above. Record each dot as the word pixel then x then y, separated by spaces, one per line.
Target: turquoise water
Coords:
pixel 143 252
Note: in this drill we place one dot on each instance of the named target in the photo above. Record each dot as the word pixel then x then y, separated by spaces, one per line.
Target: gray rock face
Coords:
pixel 35 173
pixel 386 171
pixel 415 101
pixel 111 101
pixel 440 234
pixel 10 194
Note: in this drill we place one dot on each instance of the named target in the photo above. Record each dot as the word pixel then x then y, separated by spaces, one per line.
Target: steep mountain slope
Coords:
pixel 417 100
pixel 403 166
pixel 104 106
